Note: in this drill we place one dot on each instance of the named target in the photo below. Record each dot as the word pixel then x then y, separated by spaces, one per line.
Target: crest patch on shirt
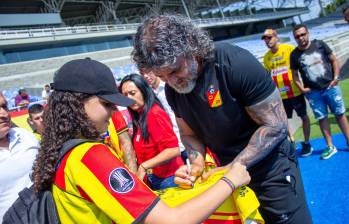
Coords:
pixel 121 181
pixel 214 97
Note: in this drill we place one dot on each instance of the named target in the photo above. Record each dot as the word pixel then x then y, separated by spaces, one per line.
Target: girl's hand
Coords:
pixel 238 174
pixel 186 180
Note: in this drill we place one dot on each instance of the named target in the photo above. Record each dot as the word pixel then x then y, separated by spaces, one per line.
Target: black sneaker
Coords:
pixel 306 149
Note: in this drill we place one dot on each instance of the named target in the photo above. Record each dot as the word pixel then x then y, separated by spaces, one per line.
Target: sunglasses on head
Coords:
pixel 300 35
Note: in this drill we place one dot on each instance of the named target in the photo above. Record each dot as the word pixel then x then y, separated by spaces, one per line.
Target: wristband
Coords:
pixel 229 182
pixel 338 79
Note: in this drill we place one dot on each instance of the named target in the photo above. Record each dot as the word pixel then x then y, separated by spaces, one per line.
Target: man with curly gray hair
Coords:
pixel 224 99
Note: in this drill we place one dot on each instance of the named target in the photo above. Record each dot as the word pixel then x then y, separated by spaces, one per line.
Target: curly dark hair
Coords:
pixel 64 119
pixel 161 39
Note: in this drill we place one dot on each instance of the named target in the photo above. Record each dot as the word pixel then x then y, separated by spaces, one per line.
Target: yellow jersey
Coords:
pixel 91 185
pixel 278 64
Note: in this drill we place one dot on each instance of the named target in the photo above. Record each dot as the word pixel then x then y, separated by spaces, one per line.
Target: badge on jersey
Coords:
pixel 214 96
pixel 121 181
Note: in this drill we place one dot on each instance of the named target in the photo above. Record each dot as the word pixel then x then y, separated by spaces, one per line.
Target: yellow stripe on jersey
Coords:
pixel 92 185
pixel 114 140
pixel 281 86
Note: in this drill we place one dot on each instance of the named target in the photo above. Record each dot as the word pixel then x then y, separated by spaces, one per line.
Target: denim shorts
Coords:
pixel 319 100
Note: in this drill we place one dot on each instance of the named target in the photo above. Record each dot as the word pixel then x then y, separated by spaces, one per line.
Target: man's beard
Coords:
pixel 187 89
pixel 190 84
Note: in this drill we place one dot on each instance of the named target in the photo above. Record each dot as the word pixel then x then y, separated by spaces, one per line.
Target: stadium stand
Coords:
pixel 35 67
pixel 129 29
pixel 39 72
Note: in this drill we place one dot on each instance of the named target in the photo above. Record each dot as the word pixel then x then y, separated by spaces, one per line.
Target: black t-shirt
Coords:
pixel 215 109
pixel 313 64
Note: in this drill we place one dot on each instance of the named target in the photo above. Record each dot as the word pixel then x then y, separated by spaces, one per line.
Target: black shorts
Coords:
pixel 278 184
pixel 296 103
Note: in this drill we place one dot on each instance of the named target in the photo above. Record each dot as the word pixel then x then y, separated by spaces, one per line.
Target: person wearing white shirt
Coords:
pixel 18 149
pixel 46 92
pixel 158 87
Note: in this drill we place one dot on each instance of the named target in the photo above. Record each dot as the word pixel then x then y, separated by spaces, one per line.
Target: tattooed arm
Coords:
pixel 128 151
pixel 196 152
pixel 195 148
pixel 271 117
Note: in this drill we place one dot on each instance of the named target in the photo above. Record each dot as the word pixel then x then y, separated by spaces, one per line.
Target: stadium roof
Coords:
pixel 75 12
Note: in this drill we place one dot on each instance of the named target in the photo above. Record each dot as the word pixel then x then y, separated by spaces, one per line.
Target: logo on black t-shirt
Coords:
pixel 121 181
pixel 214 96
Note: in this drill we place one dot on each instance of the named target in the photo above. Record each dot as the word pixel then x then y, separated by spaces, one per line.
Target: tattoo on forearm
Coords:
pixel 193 152
pixel 128 151
pixel 271 117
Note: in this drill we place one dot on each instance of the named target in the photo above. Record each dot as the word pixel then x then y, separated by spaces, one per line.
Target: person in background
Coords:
pixel 319 69
pixel 22 99
pixel 46 92
pixel 18 149
pixel 346 13
pixel 35 119
pixel 91 185
pixel 154 140
pixel 158 87
pixel 225 100
pixel 277 62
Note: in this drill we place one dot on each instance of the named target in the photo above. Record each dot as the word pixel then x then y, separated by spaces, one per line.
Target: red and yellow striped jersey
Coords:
pixel 278 64
pixel 117 125
pixel 93 186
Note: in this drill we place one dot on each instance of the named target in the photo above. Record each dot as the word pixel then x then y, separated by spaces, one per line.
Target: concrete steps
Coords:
pixel 39 72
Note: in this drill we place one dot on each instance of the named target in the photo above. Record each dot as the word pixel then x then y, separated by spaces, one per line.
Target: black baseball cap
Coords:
pixel 91 77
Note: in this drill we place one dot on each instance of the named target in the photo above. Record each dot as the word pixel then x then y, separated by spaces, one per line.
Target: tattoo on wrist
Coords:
pixel 192 154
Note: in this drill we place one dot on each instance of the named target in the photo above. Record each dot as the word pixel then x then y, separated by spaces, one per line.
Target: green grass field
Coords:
pixel 315 129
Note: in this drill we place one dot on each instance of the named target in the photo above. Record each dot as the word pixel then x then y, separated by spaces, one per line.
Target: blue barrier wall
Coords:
pixel 56 50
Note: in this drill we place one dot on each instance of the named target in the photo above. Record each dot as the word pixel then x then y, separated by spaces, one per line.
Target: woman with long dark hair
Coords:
pixel 154 140
pixel 91 185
